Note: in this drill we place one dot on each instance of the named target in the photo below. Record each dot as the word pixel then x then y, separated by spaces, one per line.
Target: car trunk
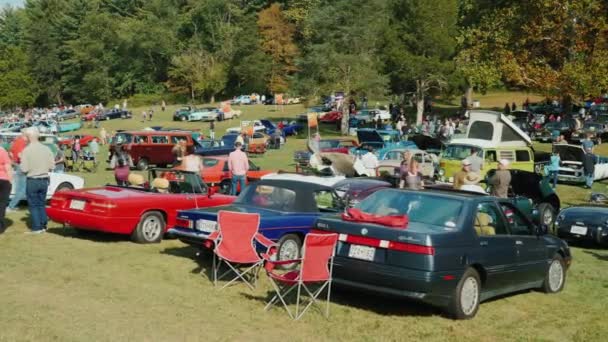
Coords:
pixel 411 248
pixel 585 215
pixel 95 200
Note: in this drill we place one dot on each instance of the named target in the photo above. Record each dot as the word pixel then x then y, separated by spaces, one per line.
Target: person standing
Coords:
pixel 413 179
pixel 94 148
pixel 212 130
pixel 589 168
pixel 179 151
pixel 588 143
pixel 554 168
pixel 238 164
pixel 103 135
pixel 37 161
pixel 6 178
pixel 476 161
pixel 19 181
pixel 143 116
pixel 163 106
pixel 121 163
pixel 460 176
pixel 370 162
pixel 404 168
pixel 501 180
pixel 150 113
pixel 60 160
pixel 76 151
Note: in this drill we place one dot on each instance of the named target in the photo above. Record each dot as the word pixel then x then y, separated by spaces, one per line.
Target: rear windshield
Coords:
pixel 420 207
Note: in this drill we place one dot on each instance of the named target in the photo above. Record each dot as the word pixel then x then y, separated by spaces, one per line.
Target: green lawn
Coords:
pixel 66 287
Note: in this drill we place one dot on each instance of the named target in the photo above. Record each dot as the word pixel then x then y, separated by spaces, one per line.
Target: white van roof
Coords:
pixel 502 131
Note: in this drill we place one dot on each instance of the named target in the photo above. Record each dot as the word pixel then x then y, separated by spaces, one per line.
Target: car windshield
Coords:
pixel 389 137
pixel 328 144
pixel 459 152
pixel 593 126
pixel 419 207
pixel 268 197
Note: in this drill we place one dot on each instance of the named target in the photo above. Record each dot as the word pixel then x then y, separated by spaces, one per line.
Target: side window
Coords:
pixel 176 139
pixel 507 154
pixel 522 156
pixel 490 156
pixel 160 139
pixel 489 221
pixel 207 162
pixel 327 201
pixel 142 139
pixel 517 222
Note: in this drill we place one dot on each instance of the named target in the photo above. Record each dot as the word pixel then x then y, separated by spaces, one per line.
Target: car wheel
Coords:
pixel 150 228
pixel 547 214
pixel 143 164
pixel 465 299
pixel 555 279
pixel 64 187
pixel 225 187
pixel 290 247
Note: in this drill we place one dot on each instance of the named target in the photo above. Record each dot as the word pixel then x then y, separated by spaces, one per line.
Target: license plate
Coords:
pixel 206 226
pixel 77 204
pixel 578 230
pixel 361 252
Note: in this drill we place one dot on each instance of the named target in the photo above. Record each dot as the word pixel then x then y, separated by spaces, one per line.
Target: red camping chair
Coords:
pixel 316 268
pixel 235 246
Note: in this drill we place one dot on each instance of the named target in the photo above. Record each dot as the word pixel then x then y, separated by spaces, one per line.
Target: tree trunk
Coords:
pixel 419 101
pixel 192 93
pixel 212 98
pixel 345 118
pixel 469 95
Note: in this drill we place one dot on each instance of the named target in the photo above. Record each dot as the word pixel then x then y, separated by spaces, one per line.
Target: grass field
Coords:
pixel 66 287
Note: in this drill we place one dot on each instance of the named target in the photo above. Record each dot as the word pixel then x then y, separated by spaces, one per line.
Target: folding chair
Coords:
pixel 235 246
pixel 316 267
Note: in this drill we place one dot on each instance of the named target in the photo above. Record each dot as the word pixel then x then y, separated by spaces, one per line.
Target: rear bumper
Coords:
pixel 188 236
pixel 81 220
pixel 597 235
pixel 423 286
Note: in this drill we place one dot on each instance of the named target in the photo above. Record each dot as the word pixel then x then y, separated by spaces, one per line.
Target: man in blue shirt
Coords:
pixel 553 168
pixel 588 143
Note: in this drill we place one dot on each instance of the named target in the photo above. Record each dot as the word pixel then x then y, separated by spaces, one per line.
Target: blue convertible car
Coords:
pixel 288 210
pixel 475 248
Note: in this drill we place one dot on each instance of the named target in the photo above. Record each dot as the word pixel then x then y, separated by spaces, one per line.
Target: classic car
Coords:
pixel 90 116
pixel 571 164
pixel 241 100
pixel 85 109
pixel 288 210
pixel 597 130
pixel 46 126
pixel 291 128
pixel 216 173
pixel 59 182
pixel 334 145
pixel 12 126
pixel 144 213
pixel 331 117
pixel 599 110
pixel 583 223
pixel 199 114
pixel 68 140
pixel 68 126
pixel 258 126
pixel 369 115
pixel 67 114
pixel 228 113
pixel 319 180
pixel 547 133
pixel 114 114
pixel 544 108
pixel 182 113
pixel 221 147
pixel 7 138
pixel 354 190
pixel 475 248
pixel 380 140
pixel 390 162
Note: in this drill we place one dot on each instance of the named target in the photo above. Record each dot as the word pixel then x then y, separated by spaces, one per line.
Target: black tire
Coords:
pixel 64 187
pixel 150 228
pixel 290 248
pixel 546 209
pixel 225 187
pixel 555 278
pixel 143 164
pixel 469 281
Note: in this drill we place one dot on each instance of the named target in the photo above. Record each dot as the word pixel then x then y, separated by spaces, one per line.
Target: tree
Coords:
pixel 277 42
pixel 420 45
pixel 17 88
pixel 199 72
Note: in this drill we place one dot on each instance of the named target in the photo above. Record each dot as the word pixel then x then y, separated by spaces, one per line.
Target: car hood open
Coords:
pixel 569 152
pixel 368 135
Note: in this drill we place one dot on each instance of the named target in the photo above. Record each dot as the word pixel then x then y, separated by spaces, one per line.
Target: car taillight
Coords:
pixel 183 222
pixel 103 205
pixel 391 245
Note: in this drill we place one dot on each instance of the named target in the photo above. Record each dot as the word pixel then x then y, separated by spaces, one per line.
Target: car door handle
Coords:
pixel 483 243
pixel 519 242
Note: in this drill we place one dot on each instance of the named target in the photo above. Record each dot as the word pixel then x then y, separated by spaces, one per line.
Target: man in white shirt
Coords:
pixel 370 162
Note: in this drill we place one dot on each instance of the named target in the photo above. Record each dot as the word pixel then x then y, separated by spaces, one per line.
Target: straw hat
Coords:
pixel 136 179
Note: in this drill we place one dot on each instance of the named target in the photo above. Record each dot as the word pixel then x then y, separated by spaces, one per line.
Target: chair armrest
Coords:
pixel 266 242
pixel 267 257
pixel 214 236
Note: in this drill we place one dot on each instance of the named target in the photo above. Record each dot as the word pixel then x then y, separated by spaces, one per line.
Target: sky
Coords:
pixel 11 2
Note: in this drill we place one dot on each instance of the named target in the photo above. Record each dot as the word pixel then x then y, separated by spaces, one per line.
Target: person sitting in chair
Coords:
pixel 136 180
pixel 161 185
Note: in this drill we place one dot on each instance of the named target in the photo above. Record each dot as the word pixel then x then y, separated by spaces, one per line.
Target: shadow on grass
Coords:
pixel 601 257
pixel 383 305
pixel 201 256
pixel 93 236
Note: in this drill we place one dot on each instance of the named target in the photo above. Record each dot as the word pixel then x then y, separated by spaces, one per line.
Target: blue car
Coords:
pixel 216 147
pixel 290 129
pixel 382 140
pixel 288 210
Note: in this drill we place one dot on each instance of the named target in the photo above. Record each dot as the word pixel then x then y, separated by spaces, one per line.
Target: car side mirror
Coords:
pixel 211 191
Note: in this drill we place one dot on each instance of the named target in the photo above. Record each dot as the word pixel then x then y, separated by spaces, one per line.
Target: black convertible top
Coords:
pixel 304 200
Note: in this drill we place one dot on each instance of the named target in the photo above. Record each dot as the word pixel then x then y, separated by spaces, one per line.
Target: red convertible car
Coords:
pixel 144 212
pixel 331 117
pixel 68 140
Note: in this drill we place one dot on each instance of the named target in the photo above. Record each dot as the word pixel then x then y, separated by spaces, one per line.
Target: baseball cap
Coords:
pixel 466 162
pixel 504 162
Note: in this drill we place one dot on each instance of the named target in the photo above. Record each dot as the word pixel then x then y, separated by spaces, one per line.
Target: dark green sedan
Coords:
pixel 457 250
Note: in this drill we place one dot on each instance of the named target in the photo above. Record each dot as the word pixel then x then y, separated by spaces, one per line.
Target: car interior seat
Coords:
pixel 483 225
pixel 160 185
